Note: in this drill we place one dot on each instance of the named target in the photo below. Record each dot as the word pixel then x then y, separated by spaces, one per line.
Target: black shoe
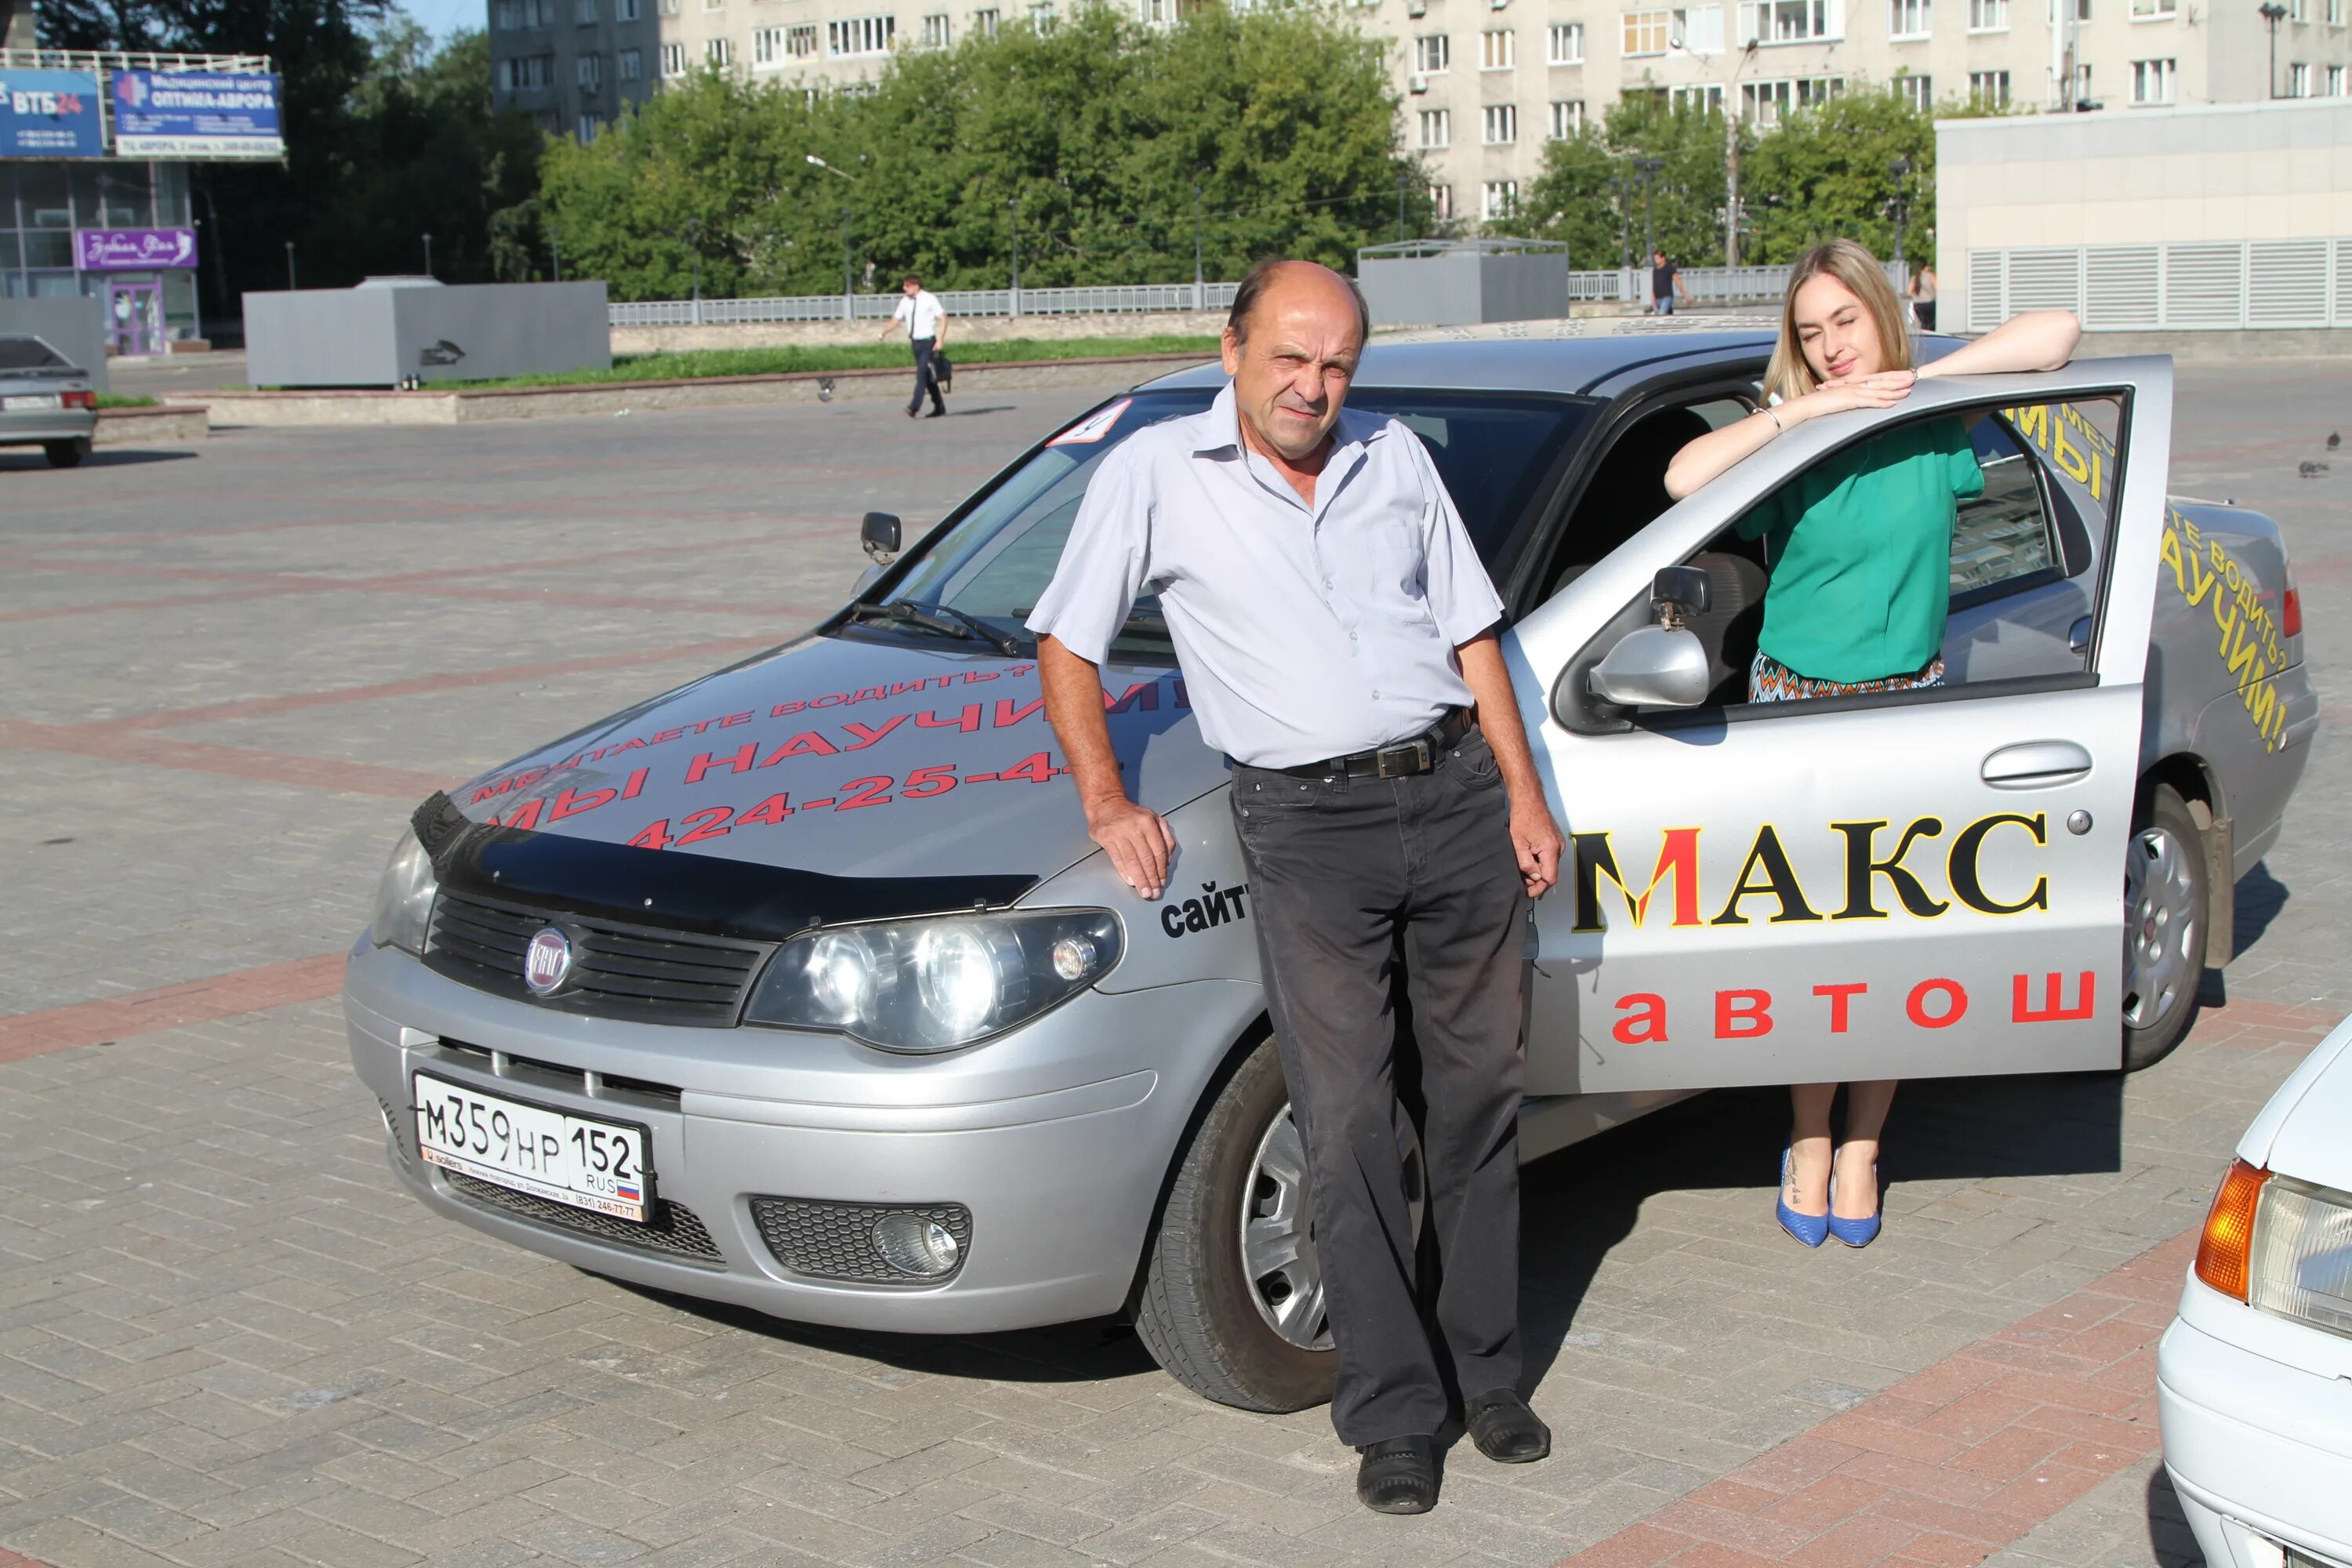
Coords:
pixel 935 414
pixel 910 413
pixel 1399 1476
pixel 1505 1429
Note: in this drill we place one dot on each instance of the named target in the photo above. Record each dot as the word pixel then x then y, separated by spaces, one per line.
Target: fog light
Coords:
pixel 914 1244
pixel 1074 958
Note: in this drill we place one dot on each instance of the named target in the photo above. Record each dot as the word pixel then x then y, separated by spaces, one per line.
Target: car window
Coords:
pixel 2003 536
pixel 1492 449
pixel 28 353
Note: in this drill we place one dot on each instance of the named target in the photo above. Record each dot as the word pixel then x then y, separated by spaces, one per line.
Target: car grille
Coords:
pixel 618 971
pixel 674 1231
pixel 835 1241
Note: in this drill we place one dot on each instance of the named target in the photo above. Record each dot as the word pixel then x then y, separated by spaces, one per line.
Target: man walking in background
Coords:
pixel 1665 282
pixel 1338 634
pixel 926 328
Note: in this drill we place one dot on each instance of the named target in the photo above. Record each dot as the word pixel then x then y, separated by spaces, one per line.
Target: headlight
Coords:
pixel 934 984
pixel 2300 1265
pixel 403 898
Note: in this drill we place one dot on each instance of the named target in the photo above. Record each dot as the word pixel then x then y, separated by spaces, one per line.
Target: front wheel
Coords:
pixel 2165 928
pixel 66 454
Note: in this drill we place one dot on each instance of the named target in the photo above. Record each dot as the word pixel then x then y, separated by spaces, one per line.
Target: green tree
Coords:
pixel 1101 128
pixel 1827 174
pixel 1592 192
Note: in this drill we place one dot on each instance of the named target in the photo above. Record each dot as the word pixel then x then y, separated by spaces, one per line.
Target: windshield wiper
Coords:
pixel 939 618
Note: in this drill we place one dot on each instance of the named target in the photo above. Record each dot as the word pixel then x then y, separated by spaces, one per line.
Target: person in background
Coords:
pixel 927 329
pixel 1665 282
pixel 1859 547
pixel 1923 295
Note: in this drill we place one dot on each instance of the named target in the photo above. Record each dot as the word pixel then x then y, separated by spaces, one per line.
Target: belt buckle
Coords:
pixel 1418 746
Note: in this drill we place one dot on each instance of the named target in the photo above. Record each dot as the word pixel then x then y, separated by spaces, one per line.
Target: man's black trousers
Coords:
pixel 1348 878
pixel 925 380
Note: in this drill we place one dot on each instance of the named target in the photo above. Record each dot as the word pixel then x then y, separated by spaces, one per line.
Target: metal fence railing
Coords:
pixel 1126 298
pixel 2198 286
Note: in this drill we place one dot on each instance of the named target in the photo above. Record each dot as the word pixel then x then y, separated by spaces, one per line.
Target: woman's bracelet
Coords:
pixel 1773 415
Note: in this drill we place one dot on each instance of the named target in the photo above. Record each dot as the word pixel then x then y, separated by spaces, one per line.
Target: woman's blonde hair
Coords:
pixel 1789 376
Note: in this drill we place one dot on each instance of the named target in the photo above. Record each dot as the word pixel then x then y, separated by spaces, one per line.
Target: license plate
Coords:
pixel 576 1160
pixel 26 402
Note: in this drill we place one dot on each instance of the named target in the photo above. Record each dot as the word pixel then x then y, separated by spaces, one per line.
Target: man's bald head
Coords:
pixel 1277 278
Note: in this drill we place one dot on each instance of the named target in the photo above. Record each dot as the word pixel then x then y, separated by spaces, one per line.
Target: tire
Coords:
pixel 66 454
pixel 1200 1314
pixel 2166 897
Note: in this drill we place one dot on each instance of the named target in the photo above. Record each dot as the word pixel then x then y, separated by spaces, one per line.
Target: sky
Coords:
pixel 444 17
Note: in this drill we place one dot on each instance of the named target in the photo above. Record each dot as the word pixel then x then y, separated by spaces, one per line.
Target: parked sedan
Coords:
pixel 46 400
pixel 802 986
pixel 2254 1376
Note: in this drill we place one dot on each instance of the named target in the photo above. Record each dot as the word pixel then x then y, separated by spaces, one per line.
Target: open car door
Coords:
pixel 1905 885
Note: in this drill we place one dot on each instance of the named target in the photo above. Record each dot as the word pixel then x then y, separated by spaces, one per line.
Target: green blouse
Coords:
pixel 1860 548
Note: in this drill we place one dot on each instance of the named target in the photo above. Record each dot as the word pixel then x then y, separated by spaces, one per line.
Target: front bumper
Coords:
pixel 2260 1451
pixel 1056 1138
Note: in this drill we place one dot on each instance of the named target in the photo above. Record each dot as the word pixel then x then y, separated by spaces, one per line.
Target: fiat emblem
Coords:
pixel 547 962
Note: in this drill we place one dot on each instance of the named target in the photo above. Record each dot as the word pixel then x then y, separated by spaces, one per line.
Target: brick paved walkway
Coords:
pixel 226 1338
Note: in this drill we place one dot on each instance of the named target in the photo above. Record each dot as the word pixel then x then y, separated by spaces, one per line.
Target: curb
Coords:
pixel 166 426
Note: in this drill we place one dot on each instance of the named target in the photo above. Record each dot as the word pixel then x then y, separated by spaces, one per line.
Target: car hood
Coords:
pixel 851 755
pixel 2313 1139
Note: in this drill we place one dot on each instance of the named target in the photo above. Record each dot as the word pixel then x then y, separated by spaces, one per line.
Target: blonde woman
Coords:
pixel 1859 547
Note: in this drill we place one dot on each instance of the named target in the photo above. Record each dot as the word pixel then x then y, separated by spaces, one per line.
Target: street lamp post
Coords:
pixel 1200 282
pixel 848 263
pixel 1731 153
pixel 1648 168
pixel 1402 181
pixel 1014 206
pixel 290 266
pixel 428 256
pixel 2272 11
pixel 1901 169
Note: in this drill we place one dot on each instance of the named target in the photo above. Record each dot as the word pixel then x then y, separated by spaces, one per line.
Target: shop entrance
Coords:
pixel 134 314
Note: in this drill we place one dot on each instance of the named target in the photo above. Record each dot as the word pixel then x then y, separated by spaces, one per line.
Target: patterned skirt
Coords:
pixel 1770 681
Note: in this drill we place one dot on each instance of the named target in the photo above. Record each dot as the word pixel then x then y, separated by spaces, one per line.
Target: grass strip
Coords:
pixel 122 400
pixel 695 365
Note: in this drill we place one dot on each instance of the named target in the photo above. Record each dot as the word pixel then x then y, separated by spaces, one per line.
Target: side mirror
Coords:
pixel 1655 666
pixel 879 534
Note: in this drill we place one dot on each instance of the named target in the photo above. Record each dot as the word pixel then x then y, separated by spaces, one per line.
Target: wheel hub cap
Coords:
pixel 1279 1239
pixel 2161 925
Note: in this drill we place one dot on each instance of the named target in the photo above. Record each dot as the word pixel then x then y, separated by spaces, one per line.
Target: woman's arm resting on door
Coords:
pixel 2038 340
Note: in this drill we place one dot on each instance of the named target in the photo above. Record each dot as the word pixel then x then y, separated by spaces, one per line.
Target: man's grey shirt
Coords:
pixel 1304 634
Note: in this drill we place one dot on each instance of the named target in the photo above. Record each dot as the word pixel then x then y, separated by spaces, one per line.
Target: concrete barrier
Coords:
pixel 164 426
pixel 430 407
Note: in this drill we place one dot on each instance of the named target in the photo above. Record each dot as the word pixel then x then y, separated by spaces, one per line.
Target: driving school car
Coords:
pixel 801 987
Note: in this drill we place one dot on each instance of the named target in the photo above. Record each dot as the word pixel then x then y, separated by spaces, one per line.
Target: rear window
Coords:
pixel 1492 449
pixel 30 353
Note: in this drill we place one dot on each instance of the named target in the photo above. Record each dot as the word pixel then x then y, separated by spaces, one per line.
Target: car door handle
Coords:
pixel 2036 764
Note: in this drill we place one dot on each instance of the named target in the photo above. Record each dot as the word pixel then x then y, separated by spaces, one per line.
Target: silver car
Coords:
pixel 46 400
pixel 801 986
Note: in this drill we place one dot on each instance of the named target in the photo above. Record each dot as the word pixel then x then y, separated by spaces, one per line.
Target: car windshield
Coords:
pixel 28 353
pixel 1492 449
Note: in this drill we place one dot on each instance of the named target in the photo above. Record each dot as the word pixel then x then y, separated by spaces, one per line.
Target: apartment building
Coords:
pixel 1485 84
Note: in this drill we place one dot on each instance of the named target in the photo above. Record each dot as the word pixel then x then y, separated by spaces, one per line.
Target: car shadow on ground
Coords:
pixel 2171 1542
pixel 2261 898
pixel 104 457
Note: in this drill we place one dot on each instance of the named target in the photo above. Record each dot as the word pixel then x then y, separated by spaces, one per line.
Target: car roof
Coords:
pixel 1530 356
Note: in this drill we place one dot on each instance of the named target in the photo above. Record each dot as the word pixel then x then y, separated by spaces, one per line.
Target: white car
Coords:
pixel 2254 1376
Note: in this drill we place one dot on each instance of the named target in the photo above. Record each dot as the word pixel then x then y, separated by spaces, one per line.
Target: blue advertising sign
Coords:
pixel 49 114
pixel 196 114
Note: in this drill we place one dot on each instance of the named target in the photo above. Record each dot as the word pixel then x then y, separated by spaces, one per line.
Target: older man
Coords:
pixel 1336 634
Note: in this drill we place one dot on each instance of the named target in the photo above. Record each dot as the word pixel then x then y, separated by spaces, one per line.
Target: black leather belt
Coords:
pixel 1417 754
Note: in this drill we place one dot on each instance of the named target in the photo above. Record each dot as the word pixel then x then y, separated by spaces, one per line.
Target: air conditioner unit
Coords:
pixel 1419 83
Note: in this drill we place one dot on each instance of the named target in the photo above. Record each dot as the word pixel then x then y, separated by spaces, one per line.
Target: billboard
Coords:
pixel 196 114
pixel 133 250
pixel 49 114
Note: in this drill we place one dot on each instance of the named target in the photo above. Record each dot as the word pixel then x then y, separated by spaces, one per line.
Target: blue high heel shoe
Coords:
pixel 1856 1232
pixel 1809 1229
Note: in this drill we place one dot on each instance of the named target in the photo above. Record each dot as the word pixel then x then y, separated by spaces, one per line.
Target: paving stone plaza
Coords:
pixel 226 1338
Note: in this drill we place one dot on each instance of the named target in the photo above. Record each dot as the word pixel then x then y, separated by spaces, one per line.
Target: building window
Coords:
pixel 583 12
pixel 2334 13
pixel 1695 28
pixel 1645 33
pixel 513 16
pixel 1440 202
pixel 1792 21
pixel 1436 128
pixel 1499 124
pixel 2153 10
pixel 673 59
pixel 1498 199
pixel 1567 118
pixel 2152 80
pixel 1989 88
pixel 2082 10
pixel 1565 44
pixel 984 22
pixel 669 7
pixel 767 48
pixel 1432 54
pixel 589 72
pixel 1906 18
pixel 1919 92
pixel 624 10
pixel 1988 16
pixel 718 51
pixel 2334 81
pixel 1494 50
pixel 800 43
pixel 1040 18
pixel 860 35
pixel 1702 99
pixel 586 127
pixel 2298 80
pixel 526 73
pixel 1766 103
pixel 936 33
pixel 1154 13
pixel 629 65
pixel 2298 10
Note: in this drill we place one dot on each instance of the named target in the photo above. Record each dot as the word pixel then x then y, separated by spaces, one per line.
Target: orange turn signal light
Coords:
pixel 2222 1256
